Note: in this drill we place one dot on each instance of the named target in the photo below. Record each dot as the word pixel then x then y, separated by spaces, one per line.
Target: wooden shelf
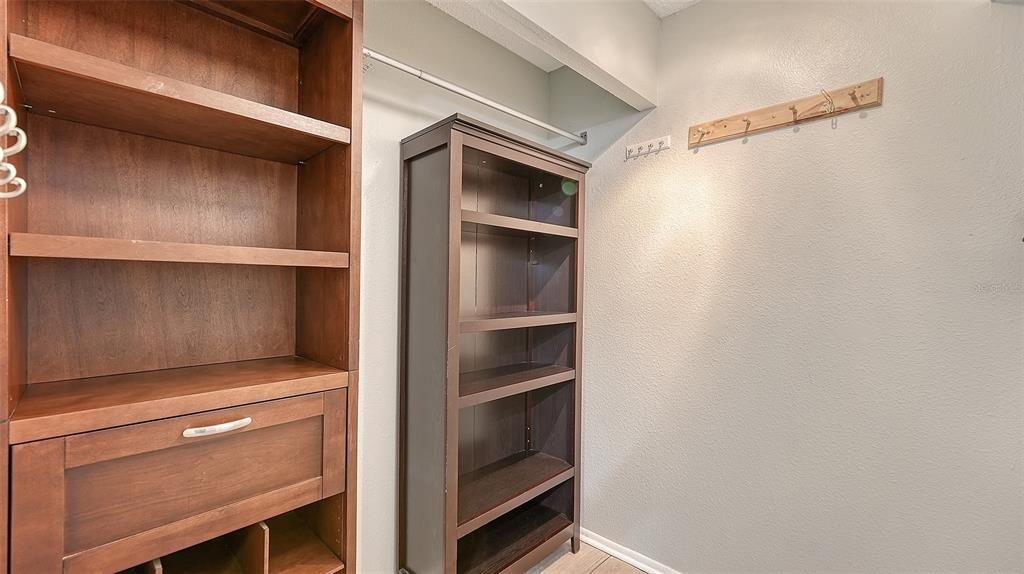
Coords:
pixel 515 225
pixel 54 409
pixel 500 321
pixel 284 20
pixel 295 549
pixel 506 541
pixel 210 557
pixel 240 552
pixel 73 247
pixel 486 385
pixel 491 491
pixel 74 86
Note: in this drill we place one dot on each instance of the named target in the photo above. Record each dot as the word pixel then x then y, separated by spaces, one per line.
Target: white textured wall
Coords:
pixel 806 353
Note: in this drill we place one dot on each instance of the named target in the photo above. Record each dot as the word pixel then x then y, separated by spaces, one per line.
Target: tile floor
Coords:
pixel 590 560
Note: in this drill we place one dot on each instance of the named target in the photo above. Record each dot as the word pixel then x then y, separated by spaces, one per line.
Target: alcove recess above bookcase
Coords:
pixel 181 279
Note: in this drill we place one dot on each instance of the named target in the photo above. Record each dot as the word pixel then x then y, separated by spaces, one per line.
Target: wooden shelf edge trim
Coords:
pixel 480 324
pixel 511 504
pixel 489 395
pixel 24 430
pixel 74 247
pixel 515 223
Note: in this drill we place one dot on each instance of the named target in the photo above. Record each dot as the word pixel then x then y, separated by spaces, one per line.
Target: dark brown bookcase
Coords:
pixel 490 379
pixel 179 329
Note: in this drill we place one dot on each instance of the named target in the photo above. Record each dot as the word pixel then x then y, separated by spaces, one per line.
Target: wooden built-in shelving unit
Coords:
pixel 492 251
pixel 179 311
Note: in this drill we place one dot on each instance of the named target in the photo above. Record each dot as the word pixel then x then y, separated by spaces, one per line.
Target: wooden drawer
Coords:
pixel 103 501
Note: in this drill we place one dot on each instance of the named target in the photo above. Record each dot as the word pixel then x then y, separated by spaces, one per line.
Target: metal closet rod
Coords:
pixel 441 83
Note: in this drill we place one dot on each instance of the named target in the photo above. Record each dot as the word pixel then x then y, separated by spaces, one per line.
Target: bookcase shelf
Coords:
pixel 493 490
pixel 79 87
pixel 515 225
pixel 476 387
pixel 502 433
pixel 513 320
pixel 513 540
pixel 72 247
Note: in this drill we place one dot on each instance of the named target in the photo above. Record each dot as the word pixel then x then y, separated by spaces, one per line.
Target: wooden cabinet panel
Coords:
pixel 210 277
pixel 116 497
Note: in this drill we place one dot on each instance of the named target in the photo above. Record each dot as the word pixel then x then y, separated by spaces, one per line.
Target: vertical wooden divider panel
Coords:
pixel 251 547
pixel 327 313
pixel 13 325
pixel 37 507
pixel 451 415
pixel 577 388
pixel 13 218
pixel 5 468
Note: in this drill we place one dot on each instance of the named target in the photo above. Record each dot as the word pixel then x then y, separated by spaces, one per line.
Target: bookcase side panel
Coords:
pixel 424 370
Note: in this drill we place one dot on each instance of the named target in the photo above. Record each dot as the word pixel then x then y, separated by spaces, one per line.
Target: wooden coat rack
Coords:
pixel 824 105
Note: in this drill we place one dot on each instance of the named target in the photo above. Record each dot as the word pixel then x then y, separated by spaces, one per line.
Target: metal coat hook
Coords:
pixel 830 107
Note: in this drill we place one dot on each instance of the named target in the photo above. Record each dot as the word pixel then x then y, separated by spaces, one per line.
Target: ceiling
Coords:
pixel 665 8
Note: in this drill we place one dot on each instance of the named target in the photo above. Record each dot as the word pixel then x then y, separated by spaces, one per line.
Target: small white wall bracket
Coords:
pixel 654 146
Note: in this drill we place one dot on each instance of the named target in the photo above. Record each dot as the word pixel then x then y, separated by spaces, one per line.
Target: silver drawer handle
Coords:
pixel 217 429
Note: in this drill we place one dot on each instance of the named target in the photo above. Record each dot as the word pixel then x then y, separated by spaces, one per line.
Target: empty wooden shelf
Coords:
pixel 515 225
pixel 485 385
pixel 296 549
pixel 517 540
pixel 70 247
pixel 68 407
pixel 285 20
pixel 514 320
pixel 83 88
pixel 181 283
pixel 490 491
pixel 240 552
pixel 297 542
pixel 491 357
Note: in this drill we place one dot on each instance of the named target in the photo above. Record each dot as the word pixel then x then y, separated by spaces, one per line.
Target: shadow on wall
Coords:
pixel 601 137
pixel 575 104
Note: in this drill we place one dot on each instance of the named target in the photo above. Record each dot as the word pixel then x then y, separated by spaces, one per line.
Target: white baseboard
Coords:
pixel 627 555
